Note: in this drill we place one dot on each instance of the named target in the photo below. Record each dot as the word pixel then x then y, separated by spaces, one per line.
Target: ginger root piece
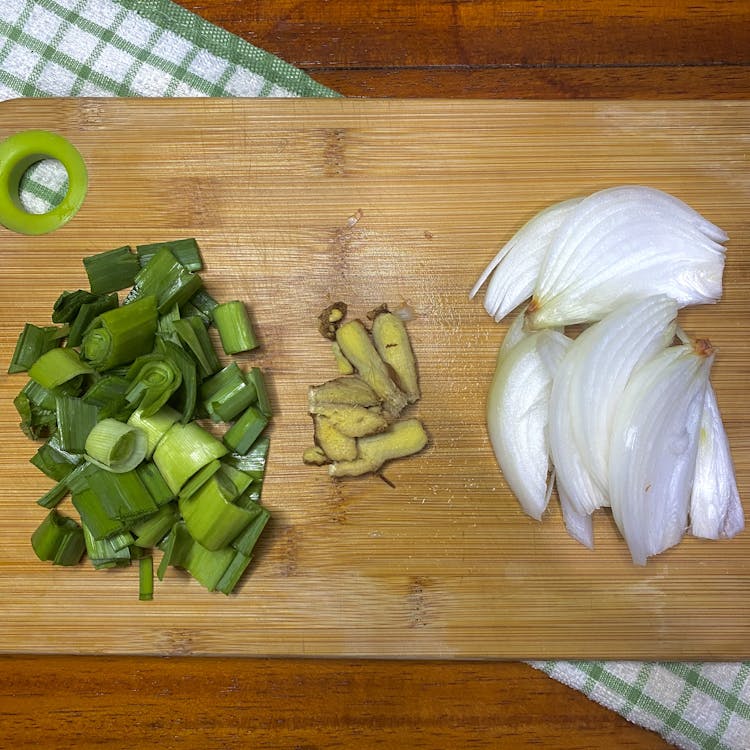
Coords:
pixel 357 347
pixel 315 456
pixel 352 420
pixel 330 319
pixel 343 365
pixel 403 438
pixel 393 345
pixel 335 445
pixel 348 389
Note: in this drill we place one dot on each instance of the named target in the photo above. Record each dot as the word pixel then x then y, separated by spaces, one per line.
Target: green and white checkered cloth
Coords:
pixel 155 48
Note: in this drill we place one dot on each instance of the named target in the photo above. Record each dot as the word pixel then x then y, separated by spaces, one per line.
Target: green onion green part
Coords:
pixel 227 393
pixel 59 539
pixel 167 279
pixel 53 461
pixel 67 305
pixel 245 431
pixel 154 426
pixel 146 578
pixel 32 342
pixel 57 366
pixel 194 336
pixel 256 377
pixel 153 379
pixel 75 420
pixel 112 270
pixel 186 251
pixel 87 313
pixel 234 326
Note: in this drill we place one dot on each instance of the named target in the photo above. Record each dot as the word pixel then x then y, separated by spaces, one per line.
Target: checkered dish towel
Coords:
pixel 155 48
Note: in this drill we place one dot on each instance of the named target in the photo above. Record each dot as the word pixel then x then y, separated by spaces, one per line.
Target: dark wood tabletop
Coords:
pixel 395 48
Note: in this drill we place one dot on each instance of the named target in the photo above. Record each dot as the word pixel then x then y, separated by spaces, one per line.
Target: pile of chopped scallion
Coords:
pixel 118 393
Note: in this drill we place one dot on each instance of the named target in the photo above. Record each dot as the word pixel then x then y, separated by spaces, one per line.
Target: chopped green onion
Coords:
pixel 33 341
pixel 88 313
pixel 154 378
pixel 184 450
pixel 111 270
pixel 116 446
pixel 233 573
pixel 54 495
pixel 154 426
pixel 186 251
pixel 40 396
pixel 121 335
pixel 194 335
pixel 149 532
pixel 211 517
pixel 146 578
pixel 123 496
pixel 36 422
pixel 93 515
pixel 199 479
pixel 75 420
pixel 57 366
pixel 59 539
pixel 238 478
pixel 154 482
pixel 234 326
pixel 167 279
pixel 107 394
pixel 107 552
pixel 248 538
pixel 257 378
pixel 226 394
pixel 53 461
pixel 165 324
pixel 253 462
pixel 68 303
pixel 246 430
pixel 187 394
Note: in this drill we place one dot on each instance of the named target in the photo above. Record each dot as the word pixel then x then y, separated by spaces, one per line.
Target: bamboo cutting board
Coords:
pixel 297 203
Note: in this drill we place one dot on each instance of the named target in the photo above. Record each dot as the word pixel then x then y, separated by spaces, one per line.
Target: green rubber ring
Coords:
pixel 17 154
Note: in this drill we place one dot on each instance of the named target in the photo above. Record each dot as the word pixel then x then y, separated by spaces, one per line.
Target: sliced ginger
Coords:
pixel 393 346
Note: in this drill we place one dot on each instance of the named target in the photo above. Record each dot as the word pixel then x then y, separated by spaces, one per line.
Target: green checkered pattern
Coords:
pixel 155 48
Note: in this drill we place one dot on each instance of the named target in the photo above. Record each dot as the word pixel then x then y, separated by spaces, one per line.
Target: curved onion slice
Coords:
pixel 516 266
pixel 715 508
pixel 587 390
pixel 517 410
pixel 655 436
pixel 625 242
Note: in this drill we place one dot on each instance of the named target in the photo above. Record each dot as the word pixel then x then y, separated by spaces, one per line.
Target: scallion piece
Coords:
pixel 256 377
pixel 57 366
pixel 154 482
pixel 88 313
pixel 186 395
pixel 59 539
pixel 233 573
pixel 199 479
pixel 246 430
pixel 252 463
pixel 53 461
pixel 123 496
pixel 146 578
pixel 186 251
pixel 121 335
pixel 40 396
pixel 238 478
pixel 167 279
pixel 33 341
pixel 153 379
pixel 116 446
pixel 203 304
pixel 36 422
pixel 165 324
pixel 149 532
pixel 194 335
pixel 111 270
pixel 234 326
pixel 248 538
pixel 154 426
pixel 67 305
pixel 54 495
pixel 226 394
pixel 107 394
pixel 107 552
pixel 75 420
pixel 183 451
pixel 93 514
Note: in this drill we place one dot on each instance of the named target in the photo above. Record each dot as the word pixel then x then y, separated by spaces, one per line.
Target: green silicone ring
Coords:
pixel 17 154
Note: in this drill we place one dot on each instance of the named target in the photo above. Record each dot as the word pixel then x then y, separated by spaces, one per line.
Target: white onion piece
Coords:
pixel 517 409
pixel 655 436
pixel 624 242
pixel 580 526
pixel 588 387
pixel 715 507
pixel 516 331
pixel 517 264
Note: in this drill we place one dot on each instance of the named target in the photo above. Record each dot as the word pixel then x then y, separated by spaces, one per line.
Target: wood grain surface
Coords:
pixel 650 61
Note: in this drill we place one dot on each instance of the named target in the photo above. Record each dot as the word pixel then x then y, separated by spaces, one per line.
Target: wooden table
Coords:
pixel 486 48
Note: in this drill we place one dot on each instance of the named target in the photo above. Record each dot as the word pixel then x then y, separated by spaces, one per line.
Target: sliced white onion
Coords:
pixel 655 435
pixel 517 410
pixel 580 526
pixel 715 507
pixel 624 242
pixel 517 264
pixel 587 390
